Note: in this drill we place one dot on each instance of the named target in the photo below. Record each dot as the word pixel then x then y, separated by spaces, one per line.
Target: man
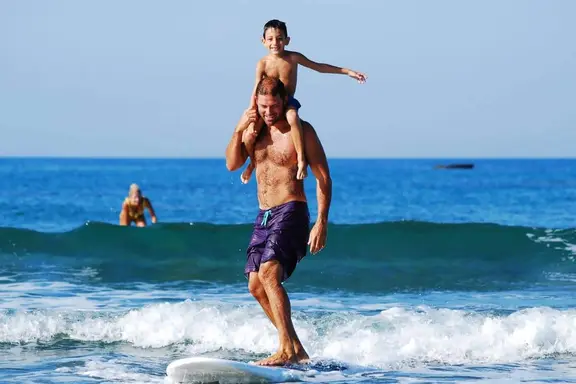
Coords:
pixel 280 234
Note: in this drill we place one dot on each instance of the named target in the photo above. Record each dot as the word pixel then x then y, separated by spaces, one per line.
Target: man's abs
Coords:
pixel 278 187
pixel 271 200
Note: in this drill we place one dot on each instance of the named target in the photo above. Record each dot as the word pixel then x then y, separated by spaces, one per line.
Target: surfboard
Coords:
pixel 214 370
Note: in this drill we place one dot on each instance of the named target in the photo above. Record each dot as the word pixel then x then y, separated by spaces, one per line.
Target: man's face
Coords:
pixel 270 108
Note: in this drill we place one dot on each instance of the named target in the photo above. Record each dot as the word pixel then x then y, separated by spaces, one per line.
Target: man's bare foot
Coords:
pixel 279 358
pixel 302 170
pixel 302 357
pixel 245 177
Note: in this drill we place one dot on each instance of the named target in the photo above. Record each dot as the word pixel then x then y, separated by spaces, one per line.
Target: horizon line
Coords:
pixel 471 158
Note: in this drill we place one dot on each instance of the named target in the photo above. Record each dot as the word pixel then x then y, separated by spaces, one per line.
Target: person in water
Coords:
pixel 133 208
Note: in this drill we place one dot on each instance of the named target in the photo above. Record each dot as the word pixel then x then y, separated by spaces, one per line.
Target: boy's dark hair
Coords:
pixel 271 86
pixel 275 24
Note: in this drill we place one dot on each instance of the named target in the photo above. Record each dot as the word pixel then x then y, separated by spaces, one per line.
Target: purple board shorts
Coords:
pixel 280 233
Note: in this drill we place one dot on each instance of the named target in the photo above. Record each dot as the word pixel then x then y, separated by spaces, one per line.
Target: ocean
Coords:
pixel 429 275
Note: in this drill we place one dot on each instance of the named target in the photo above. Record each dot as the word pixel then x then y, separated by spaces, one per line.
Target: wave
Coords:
pixel 381 257
pixel 390 338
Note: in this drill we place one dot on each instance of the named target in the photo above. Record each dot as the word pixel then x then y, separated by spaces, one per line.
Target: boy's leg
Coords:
pixel 298 139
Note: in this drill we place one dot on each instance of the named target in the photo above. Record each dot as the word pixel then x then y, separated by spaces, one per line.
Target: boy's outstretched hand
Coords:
pixel 358 76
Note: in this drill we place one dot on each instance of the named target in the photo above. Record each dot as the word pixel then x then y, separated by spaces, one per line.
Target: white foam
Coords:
pixel 554 239
pixel 393 337
pixel 454 337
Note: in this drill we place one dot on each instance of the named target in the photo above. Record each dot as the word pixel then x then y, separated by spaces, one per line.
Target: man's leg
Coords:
pixel 257 290
pixel 290 349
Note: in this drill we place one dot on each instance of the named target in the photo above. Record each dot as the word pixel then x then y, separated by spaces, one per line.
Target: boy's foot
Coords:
pixel 302 170
pixel 245 177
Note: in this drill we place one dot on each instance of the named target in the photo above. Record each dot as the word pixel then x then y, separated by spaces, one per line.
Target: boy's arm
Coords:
pixel 327 68
pixel 259 75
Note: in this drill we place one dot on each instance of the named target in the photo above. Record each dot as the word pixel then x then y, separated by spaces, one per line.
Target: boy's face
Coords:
pixel 275 41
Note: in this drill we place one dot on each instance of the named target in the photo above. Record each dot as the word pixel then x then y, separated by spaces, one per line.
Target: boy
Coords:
pixel 284 65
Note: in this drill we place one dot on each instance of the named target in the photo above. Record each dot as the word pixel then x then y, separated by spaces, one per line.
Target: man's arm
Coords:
pixel 319 165
pixel 327 68
pixel 236 153
pixel 153 217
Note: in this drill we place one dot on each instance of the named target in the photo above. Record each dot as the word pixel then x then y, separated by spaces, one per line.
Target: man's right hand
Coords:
pixel 248 117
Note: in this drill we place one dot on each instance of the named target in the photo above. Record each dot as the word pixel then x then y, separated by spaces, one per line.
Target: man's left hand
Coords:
pixel 317 239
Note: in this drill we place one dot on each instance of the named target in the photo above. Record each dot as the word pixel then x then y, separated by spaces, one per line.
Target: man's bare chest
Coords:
pixel 277 149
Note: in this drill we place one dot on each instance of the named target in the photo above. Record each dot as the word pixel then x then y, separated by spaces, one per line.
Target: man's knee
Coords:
pixel 270 272
pixel 255 286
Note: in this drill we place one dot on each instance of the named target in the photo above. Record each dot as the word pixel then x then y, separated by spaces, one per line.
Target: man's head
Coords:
pixel 270 99
pixel 275 36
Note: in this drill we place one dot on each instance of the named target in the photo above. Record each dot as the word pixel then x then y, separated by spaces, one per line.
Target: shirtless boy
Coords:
pixel 283 64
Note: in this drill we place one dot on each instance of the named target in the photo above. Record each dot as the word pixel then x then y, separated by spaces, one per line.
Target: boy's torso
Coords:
pixel 285 68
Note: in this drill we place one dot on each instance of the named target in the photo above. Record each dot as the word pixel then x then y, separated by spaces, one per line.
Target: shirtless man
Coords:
pixel 281 228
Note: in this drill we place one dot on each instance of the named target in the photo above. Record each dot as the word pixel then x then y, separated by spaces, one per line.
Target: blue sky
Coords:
pixel 486 78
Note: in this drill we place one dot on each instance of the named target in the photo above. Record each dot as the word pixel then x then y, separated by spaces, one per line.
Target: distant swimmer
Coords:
pixel 133 208
pixel 283 64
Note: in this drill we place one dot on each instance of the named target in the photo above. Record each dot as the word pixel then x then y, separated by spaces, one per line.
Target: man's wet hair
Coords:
pixel 271 86
pixel 275 24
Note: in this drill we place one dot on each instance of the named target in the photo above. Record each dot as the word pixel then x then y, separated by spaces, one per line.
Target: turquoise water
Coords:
pixel 428 275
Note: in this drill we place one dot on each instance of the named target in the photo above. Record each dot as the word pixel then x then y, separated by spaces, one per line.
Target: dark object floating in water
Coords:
pixel 455 166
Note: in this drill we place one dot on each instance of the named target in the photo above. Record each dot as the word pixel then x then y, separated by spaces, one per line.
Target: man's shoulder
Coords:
pixel 308 129
pixel 306 125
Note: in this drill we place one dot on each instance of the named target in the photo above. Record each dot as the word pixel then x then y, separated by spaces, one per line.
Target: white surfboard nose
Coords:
pixel 214 370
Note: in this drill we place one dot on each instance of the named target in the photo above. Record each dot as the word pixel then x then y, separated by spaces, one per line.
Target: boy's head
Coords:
pixel 270 99
pixel 275 36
